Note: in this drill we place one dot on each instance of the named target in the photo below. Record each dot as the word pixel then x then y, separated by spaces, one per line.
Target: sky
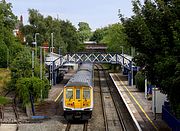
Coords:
pixel 97 13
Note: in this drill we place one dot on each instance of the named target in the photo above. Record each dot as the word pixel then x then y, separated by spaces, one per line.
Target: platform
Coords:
pixel 138 107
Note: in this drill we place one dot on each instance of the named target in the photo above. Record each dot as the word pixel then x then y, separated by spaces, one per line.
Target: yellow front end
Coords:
pixel 77 97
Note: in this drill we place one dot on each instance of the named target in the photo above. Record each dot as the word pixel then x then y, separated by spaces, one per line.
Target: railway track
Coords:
pixel 77 127
pixel 9 113
pixel 116 116
pixel 112 120
pixel 1 114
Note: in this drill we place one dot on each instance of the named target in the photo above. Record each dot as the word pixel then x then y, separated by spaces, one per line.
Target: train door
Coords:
pixel 78 99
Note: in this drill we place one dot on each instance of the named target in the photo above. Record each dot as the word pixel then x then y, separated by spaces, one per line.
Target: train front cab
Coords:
pixel 78 103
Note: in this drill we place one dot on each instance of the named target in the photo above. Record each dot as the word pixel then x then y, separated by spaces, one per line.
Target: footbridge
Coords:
pixel 113 58
pixel 55 61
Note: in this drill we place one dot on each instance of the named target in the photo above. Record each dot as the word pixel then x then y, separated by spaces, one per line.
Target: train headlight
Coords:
pixel 67 109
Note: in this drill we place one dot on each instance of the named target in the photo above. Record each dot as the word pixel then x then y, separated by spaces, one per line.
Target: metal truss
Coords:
pixel 97 58
pixel 114 58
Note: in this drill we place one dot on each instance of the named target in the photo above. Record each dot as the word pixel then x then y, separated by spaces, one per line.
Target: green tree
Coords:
pixel 29 86
pixel 65 35
pixel 115 38
pixel 21 66
pixel 154 31
pixel 3 55
pixel 84 31
pixel 70 36
pixel 7 40
pixel 98 35
pixel 21 70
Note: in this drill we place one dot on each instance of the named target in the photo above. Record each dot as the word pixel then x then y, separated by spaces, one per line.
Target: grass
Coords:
pixel 4 78
pixel 4 100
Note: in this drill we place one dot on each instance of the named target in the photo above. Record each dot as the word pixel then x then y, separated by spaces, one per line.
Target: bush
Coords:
pixel 3 55
pixel 140 81
pixel 4 100
pixel 33 86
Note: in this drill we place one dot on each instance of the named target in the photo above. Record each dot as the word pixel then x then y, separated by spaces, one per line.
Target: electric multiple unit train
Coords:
pixel 78 94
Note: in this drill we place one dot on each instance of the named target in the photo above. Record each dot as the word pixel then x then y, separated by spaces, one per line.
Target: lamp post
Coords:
pixel 36 43
pixel 146 89
pixel 33 43
pixel 52 42
pixel 122 51
pixel 41 68
pixel 132 66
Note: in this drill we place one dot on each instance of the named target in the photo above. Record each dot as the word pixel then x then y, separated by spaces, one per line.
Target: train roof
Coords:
pixel 81 78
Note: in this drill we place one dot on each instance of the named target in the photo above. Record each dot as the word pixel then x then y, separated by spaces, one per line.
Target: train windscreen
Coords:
pixel 69 93
pixel 86 94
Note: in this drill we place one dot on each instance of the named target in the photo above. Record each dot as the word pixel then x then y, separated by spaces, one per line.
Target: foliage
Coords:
pixel 27 86
pixel 140 81
pixel 7 39
pixel 18 57
pixel 154 31
pixel 22 66
pixel 84 31
pixel 9 19
pixel 115 38
pixel 4 78
pixel 4 100
pixel 70 36
pixel 3 54
pixel 98 35
pixel 65 36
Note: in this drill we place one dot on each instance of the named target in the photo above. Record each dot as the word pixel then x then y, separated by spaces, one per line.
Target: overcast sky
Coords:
pixel 97 13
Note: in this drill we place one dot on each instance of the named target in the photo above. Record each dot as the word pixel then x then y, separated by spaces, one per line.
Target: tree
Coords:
pixel 22 80
pixel 19 56
pixel 84 31
pixel 154 31
pixel 98 35
pixel 64 33
pixel 115 38
pixel 3 54
pixel 29 86
pixel 21 66
pixel 70 36
pixel 7 39
pixel 9 19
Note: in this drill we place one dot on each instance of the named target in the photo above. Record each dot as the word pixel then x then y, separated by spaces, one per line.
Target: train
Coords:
pixel 78 94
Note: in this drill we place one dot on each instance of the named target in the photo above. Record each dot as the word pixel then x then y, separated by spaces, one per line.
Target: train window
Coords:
pixel 69 93
pixel 77 93
pixel 86 94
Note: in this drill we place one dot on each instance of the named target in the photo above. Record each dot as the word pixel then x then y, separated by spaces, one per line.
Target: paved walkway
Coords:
pixel 138 106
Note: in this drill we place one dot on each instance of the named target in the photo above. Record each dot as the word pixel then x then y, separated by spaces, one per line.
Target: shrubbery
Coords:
pixel 140 81
pixel 31 86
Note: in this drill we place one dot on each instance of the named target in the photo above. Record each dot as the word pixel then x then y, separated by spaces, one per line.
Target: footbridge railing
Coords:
pixel 97 57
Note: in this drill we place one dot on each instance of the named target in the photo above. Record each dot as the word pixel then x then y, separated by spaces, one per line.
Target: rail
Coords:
pixel 1 114
pixel 115 104
pixel 103 104
pixel 85 126
pixel 16 113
